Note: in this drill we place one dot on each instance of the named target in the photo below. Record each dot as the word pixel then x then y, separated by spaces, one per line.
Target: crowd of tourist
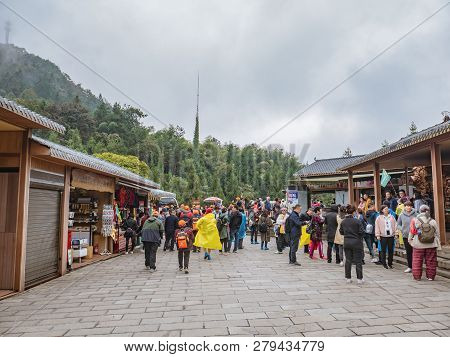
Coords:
pixel 346 230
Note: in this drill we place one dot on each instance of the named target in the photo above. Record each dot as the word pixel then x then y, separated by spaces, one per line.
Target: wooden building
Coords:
pixel 38 182
pixel 429 148
pixel 326 176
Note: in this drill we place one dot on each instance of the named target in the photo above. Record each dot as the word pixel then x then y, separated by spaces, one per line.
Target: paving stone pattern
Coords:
pixel 251 293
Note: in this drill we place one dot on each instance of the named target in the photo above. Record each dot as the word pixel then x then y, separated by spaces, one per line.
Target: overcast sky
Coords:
pixel 260 63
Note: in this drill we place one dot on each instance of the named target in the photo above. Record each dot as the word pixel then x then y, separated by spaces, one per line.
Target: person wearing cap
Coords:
pixel 184 233
pixel 186 215
pixel 152 233
pixel 207 236
pixel 423 229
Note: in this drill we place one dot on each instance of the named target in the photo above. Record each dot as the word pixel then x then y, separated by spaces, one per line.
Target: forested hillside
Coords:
pixel 191 169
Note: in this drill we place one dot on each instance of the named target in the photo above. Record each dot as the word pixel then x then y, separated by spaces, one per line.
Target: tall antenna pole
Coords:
pixel 198 91
pixel 7 31
pixel 196 140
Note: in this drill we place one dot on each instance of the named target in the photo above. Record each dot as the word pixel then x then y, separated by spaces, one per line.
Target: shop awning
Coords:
pixel 156 195
pixel 17 115
pixel 75 157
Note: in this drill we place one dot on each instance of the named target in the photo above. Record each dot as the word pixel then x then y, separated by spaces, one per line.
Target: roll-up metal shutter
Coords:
pixel 41 261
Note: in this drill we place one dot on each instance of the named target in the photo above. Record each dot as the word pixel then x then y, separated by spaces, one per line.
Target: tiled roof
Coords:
pixel 160 193
pixel 327 167
pixel 410 140
pixel 30 115
pixel 91 162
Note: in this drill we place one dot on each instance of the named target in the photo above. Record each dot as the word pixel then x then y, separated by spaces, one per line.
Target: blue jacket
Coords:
pixel 393 204
pixel 243 227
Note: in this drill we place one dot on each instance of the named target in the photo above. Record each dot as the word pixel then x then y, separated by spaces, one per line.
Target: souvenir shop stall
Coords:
pixel 92 217
pixel 130 199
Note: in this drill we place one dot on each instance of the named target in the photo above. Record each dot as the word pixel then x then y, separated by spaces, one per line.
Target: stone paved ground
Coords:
pixel 252 293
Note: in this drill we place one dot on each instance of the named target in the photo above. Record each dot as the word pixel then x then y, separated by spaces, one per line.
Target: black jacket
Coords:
pixel 353 231
pixel 130 226
pixel 305 218
pixel 235 221
pixel 171 224
pixel 331 222
pixel 296 223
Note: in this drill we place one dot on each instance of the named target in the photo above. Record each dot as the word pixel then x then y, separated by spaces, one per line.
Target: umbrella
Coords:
pixel 212 199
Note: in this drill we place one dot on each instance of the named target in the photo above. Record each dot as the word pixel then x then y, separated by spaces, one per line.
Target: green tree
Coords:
pixel 73 140
pixel 196 140
pixel 412 128
pixel 129 162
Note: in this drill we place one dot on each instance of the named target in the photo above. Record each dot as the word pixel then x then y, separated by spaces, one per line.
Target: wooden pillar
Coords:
pixel 64 223
pixel 351 189
pixel 22 212
pixel 438 189
pixel 407 182
pixel 377 185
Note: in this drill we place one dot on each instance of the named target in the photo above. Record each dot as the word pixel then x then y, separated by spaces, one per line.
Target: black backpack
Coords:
pixel 263 227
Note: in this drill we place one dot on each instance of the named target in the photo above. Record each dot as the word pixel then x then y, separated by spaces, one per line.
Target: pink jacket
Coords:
pixel 380 226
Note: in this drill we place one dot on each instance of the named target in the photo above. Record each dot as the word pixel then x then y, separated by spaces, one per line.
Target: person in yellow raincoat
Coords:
pixel 207 236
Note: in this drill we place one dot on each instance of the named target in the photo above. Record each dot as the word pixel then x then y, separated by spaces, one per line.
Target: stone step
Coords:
pixel 443 262
pixel 439 271
pixel 443 268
